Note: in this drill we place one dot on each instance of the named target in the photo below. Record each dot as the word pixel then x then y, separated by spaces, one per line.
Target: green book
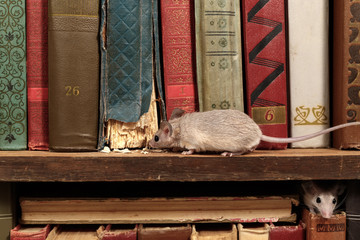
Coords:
pixel 218 55
pixel 13 120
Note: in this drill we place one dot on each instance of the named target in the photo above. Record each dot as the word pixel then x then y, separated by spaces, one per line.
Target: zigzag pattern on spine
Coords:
pixel 279 67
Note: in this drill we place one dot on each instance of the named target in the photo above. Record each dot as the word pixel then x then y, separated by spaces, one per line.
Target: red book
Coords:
pixel 265 67
pixel 177 21
pixel 29 233
pixel 37 73
pixel 291 232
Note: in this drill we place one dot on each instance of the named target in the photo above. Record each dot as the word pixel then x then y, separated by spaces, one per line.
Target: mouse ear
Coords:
pixel 340 188
pixel 309 187
pixel 177 112
pixel 166 127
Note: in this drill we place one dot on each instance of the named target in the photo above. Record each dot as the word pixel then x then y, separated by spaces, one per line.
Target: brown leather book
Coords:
pixel 346 77
pixel 73 75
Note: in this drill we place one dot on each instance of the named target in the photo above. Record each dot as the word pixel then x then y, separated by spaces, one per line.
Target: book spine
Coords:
pixel 178 41
pixel 164 232
pixel 309 70
pixel 318 227
pixel 113 232
pixel 29 233
pixel 287 232
pixel 265 67
pixel 37 74
pixel 254 233
pixel 346 79
pixel 73 75
pixel 13 109
pixel 221 231
pixel 219 55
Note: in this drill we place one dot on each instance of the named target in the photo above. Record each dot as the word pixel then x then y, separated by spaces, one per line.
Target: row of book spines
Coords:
pixel 226 231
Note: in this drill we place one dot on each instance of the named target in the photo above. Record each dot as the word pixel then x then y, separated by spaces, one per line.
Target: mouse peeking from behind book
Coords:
pixel 229 132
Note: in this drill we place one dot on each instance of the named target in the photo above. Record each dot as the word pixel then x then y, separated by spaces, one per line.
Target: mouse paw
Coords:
pixel 231 154
pixel 189 152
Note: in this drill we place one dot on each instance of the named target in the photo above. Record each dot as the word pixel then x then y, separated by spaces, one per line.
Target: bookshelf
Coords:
pixel 275 165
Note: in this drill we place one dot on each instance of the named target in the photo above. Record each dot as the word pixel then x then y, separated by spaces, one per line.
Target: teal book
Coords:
pixel 13 119
pixel 130 61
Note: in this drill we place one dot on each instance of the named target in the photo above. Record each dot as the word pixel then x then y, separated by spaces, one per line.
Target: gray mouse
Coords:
pixel 231 132
pixel 321 197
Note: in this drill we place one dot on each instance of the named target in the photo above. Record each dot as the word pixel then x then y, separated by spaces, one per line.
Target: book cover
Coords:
pixel 308 28
pixel 254 232
pixel 73 232
pixel 37 74
pixel 287 232
pixel 353 210
pixel 214 232
pixel 164 232
pixel 320 228
pixel 23 232
pixel 117 232
pixel 179 62
pixel 73 74
pixel 155 210
pixel 129 69
pixel 219 55
pixel 6 210
pixel 13 97
pixel 265 67
pixel 346 65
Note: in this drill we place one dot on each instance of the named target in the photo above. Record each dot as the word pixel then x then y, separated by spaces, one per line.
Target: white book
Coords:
pixel 309 70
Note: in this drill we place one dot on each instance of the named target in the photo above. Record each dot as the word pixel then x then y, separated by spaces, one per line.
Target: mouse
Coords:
pixel 321 197
pixel 231 132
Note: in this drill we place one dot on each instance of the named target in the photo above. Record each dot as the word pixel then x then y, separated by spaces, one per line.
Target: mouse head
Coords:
pixel 165 137
pixel 323 199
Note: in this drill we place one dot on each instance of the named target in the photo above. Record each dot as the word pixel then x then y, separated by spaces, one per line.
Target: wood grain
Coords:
pixel 291 164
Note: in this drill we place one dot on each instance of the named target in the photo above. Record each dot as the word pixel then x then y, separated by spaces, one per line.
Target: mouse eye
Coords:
pixel 156 138
pixel 334 201
pixel 318 200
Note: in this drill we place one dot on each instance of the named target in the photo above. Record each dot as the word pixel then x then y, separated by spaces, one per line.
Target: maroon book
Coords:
pixel 37 73
pixel 29 232
pixel 287 232
pixel 177 21
pixel 265 67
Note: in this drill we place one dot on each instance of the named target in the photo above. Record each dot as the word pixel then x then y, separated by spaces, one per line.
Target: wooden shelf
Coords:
pixel 276 165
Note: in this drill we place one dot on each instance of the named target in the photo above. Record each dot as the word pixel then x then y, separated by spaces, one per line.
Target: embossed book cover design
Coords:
pixel 265 66
pixel 346 67
pixel 13 109
pixel 37 74
pixel 73 74
pixel 178 40
pixel 309 70
pixel 219 55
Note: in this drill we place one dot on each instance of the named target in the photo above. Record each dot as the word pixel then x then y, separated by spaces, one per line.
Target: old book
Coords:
pixel 31 232
pixel 73 75
pixel 254 232
pixel 37 74
pixel 6 210
pixel 178 40
pixel 13 100
pixel 164 232
pixel 219 55
pixel 287 232
pixel 155 210
pixel 265 67
pixel 353 210
pixel 117 232
pixel 320 228
pixel 129 72
pixel 73 232
pixel 346 66
pixel 214 232
pixel 308 26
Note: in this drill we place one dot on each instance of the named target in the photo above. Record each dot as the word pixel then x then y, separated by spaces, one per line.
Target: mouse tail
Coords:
pixel 306 137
